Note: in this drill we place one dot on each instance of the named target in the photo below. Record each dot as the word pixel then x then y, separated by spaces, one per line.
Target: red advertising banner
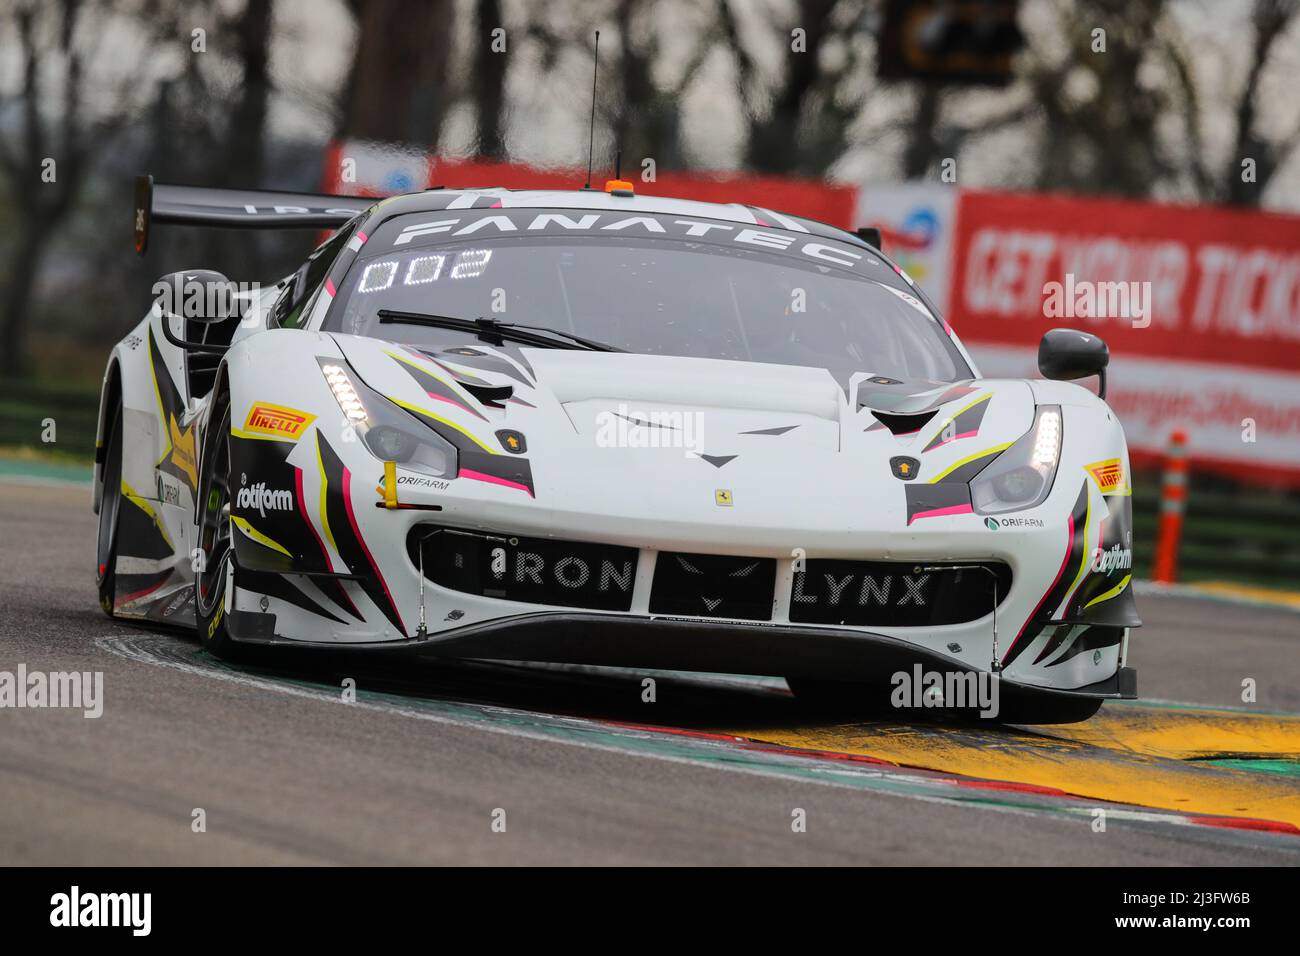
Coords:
pixel 1224 284
pixel 1200 307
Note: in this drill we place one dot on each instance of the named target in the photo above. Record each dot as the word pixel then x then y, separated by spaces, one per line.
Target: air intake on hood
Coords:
pixel 904 424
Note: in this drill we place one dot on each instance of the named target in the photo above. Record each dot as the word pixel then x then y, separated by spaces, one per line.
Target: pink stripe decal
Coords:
pixel 938 512
pixel 449 401
pixel 493 480
pixel 329 286
pixel 362 236
pixel 352 520
pixel 1069 547
pixel 952 439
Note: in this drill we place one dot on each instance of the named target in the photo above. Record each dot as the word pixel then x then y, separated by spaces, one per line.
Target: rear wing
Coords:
pixel 237 208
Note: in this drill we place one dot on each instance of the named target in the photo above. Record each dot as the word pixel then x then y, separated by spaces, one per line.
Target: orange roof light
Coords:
pixel 619 187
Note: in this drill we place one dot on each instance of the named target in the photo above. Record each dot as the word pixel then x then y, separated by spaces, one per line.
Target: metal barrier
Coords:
pixel 1188 528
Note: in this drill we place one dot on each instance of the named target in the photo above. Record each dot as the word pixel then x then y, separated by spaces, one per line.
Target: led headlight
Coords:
pixel 388 432
pixel 1021 477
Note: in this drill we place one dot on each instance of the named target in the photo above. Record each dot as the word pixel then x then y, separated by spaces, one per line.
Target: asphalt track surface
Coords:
pixel 417 769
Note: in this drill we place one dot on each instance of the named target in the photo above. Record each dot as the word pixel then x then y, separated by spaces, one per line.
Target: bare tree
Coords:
pixel 644 113
pixel 488 81
pixel 1270 19
pixel 57 138
pixel 797 121
pixel 396 89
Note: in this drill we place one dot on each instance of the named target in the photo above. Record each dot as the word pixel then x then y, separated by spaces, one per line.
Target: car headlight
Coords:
pixel 1021 477
pixel 388 432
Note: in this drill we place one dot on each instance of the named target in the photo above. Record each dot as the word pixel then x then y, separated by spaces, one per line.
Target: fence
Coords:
pixel 26 406
pixel 1228 534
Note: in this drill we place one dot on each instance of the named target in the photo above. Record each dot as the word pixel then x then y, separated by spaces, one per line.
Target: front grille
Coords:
pixel 536 570
pixel 896 593
pixel 712 585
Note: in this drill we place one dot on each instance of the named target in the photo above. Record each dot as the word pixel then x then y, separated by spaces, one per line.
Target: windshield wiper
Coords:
pixel 495 332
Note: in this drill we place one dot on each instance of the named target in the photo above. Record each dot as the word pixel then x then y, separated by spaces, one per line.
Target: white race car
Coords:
pixel 593 427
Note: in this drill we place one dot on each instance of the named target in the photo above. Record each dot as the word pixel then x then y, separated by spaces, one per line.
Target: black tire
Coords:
pixel 214 569
pixel 110 507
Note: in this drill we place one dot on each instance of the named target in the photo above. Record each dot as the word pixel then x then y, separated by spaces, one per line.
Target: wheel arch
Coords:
pixel 221 385
pixel 110 394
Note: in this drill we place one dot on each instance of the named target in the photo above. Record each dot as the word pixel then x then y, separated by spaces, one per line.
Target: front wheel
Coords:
pixel 214 557
pixel 110 506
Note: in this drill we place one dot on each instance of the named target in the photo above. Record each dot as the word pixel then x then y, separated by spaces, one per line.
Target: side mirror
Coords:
pixel 1067 354
pixel 197 295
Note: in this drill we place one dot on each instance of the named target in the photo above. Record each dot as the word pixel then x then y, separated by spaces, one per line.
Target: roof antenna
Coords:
pixel 618 165
pixel 591 138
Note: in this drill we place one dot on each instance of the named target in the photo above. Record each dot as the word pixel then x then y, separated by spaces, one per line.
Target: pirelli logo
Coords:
pixel 1108 474
pixel 276 421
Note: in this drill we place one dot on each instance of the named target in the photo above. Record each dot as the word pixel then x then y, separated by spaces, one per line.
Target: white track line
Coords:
pixel 129 648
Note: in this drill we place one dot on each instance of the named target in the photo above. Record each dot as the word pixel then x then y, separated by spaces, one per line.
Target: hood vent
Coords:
pixel 904 424
pixel 489 395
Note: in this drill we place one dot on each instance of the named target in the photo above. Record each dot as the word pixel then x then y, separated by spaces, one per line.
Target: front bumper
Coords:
pixel 665 643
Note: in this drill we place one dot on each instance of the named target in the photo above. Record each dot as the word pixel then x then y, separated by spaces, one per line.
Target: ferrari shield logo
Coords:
pixel 722 497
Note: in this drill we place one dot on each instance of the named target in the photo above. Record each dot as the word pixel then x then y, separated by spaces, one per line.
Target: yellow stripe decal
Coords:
pixel 143 504
pixel 951 419
pixel 240 433
pixel 243 525
pixel 1113 592
pixel 438 418
pixel 138 500
pixel 433 375
pixel 324 513
pixel 983 398
pixel 968 459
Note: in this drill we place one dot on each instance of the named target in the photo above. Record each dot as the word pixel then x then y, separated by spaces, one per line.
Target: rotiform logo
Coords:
pixel 1116 559
pixel 261 497
pixel 74 908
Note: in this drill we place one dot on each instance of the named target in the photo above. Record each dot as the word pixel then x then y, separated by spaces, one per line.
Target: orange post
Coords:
pixel 1173 497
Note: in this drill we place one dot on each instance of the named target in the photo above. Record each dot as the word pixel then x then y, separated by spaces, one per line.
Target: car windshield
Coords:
pixel 652 295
